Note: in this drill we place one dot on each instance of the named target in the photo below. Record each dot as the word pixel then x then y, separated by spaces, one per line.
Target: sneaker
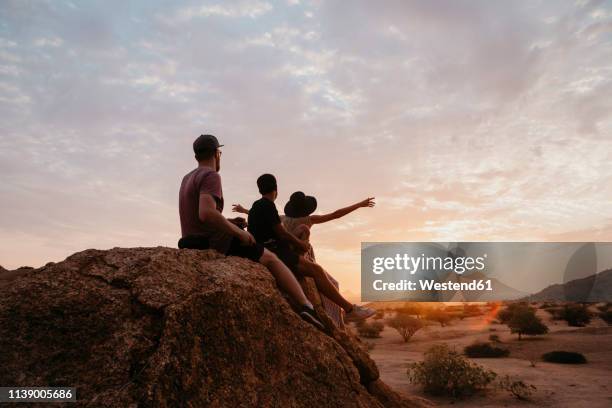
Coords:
pixel 359 313
pixel 309 315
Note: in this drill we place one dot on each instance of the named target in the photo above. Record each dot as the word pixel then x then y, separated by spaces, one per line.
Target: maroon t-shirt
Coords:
pixel 202 180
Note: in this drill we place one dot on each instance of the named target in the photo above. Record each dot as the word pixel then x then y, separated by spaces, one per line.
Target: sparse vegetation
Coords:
pixel 412 309
pixel 446 372
pixel 522 320
pixel 405 325
pixel 506 314
pixel 485 350
pixel 518 388
pixel 438 315
pixel 564 357
pixel 370 330
pixel 606 316
pixel 576 315
pixel 470 310
pixel 494 338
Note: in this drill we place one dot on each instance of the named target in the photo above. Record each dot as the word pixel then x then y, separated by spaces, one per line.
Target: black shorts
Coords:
pixel 252 252
pixel 285 254
pixel 193 242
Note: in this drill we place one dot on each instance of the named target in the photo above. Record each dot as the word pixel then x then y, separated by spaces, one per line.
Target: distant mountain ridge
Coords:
pixel 594 288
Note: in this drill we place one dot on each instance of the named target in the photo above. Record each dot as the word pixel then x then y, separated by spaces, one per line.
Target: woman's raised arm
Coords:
pixel 319 219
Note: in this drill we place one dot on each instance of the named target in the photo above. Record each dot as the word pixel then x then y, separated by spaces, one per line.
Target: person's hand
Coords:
pixel 240 222
pixel 368 202
pixel 304 246
pixel 246 238
pixel 239 209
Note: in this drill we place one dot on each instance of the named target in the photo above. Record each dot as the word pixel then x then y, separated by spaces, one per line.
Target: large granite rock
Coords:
pixel 161 327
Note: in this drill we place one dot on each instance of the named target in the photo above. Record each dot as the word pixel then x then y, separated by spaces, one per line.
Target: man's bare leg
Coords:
pixel 284 277
pixel 323 283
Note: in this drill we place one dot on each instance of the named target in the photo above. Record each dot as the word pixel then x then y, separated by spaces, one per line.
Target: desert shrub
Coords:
pixel 516 387
pixel 380 314
pixel 523 321
pixel 485 350
pixel 604 307
pixel 575 315
pixel 446 372
pixel 405 325
pixel 494 338
pixel 438 315
pixel 564 357
pixel 606 316
pixel 470 310
pixel 370 330
pixel 506 314
pixel 411 309
pixel 547 305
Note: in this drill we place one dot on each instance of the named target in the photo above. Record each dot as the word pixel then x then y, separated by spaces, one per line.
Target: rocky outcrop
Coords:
pixel 164 327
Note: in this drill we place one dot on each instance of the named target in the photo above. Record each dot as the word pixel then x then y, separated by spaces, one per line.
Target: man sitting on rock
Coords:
pixel 203 226
pixel 265 225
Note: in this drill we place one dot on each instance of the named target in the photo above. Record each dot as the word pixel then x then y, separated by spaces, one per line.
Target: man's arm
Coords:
pixel 319 219
pixel 208 214
pixel 284 235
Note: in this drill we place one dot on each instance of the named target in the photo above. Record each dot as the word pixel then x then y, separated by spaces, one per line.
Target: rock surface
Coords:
pixel 165 327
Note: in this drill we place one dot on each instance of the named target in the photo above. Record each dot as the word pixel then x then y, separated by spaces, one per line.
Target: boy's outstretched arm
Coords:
pixel 239 209
pixel 319 219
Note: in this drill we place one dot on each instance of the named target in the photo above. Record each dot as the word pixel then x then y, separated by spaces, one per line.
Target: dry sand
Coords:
pixel 558 385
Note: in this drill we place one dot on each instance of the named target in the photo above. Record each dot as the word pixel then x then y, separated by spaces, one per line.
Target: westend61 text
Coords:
pixel 428 284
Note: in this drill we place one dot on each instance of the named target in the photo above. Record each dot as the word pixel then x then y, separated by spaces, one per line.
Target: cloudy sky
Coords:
pixel 468 120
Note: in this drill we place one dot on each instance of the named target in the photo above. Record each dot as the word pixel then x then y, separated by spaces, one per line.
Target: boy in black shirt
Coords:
pixel 265 225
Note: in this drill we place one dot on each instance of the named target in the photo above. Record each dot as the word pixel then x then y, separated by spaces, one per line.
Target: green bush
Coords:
pixel 522 320
pixel 405 325
pixel 564 357
pixel 606 316
pixel 516 387
pixel 370 330
pixel 506 314
pixel 574 314
pixel 411 309
pixel 485 350
pixel 470 310
pixel 438 315
pixel 446 372
pixel 547 306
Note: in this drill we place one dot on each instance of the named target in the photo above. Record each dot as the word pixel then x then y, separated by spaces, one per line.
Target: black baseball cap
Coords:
pixel 206 143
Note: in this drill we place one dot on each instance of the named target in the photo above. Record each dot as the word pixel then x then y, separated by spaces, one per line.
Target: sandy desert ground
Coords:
pixel 558 385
